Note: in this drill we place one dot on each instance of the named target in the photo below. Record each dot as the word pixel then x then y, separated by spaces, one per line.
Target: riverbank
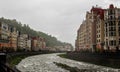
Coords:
pixel 14 58
pixel 108 60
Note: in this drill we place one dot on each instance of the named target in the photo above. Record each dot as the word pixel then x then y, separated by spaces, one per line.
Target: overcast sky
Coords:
pixel 60 18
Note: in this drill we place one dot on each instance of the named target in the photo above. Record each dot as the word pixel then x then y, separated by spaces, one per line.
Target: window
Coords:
pixel 110 23
pixel 119 23
pixel 114 23
pixel 112 33
pixel 112 42
pixel 4 27
pixel 119 41
pixel 119 18
pixel 106 35
pixel 112 29
pixel 110 12
pixel 111 17
pixel 107 43
pixel 118 28
pixel 106 24
pixel 99 40
pixel 106 29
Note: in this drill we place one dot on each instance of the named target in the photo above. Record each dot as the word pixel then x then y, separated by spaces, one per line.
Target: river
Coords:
pixel 45 63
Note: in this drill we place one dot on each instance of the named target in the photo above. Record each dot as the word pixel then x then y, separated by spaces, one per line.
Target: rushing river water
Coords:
pixel 45 63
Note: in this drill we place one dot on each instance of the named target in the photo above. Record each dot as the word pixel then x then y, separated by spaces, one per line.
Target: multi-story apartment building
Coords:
pixel 89 31
pixel 24 42
pixel 4 36
pixel 13 38
pixel 41 43
pixel 101 30
pixel 76 43
pixel 98 28
pixel 38 43
pixel 86 35
pixel 100 34
pixel 34 44
pixel 112 28
pixel 80 42
pixel 28 45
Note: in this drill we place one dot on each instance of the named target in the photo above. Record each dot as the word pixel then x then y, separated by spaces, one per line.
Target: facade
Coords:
pixel 100 31
pixel 13 38
pixel 89 31
pixel 100 34
pixel 24 42
pixel 34 44
pixel 4 36
pixel 98 28
pixel 86 38
pixel 68 47
pixel 38 43
pixel 80 42
pixel 28 45
pixel 112 28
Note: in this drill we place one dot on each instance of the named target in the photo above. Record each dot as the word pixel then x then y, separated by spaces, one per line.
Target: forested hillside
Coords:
pixel 24 28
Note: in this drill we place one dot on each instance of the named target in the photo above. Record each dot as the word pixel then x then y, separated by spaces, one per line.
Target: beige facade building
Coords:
pixel 28 45
pixel 13 38
pixel 100 31
pixel 112 28
pixel 100 34
pixel 4 36
pixel 80 42
pixel 89 31
pixel 24 42
pixel 86 34
pixel 38 43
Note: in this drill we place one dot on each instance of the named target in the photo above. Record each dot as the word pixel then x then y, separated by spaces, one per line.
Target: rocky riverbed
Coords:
pixel 46 63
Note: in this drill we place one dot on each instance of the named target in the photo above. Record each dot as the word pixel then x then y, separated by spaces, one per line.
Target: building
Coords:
pixel 80 37
pixel 112 28
pixel 86 34
pixel 4 36
pixel 34 44
pixel 90 27
pixel 13 38
pixel 24 42
pixel 38 43
pixel 28 45
pixel 41 43
pixel 100 30
pixel 68 47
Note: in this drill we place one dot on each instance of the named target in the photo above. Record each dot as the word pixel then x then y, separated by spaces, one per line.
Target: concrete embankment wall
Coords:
pixel 105 59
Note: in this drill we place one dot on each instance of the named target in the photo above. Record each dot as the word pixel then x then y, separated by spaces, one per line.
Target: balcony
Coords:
pixel 4 41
